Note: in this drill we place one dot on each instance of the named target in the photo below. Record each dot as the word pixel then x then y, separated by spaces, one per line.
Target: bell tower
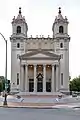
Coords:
pixel 19 25
pixel 60 25
pixel 61 41
pixel 18 40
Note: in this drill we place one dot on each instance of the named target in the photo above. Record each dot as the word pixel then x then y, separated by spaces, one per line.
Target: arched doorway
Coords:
pixel 40 83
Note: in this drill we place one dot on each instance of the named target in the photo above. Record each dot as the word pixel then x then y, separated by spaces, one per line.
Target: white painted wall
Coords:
pixel 15 62
pixel 39 43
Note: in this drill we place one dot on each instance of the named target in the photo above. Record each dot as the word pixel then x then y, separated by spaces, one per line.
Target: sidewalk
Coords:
pixel 40 102
pixel 31 105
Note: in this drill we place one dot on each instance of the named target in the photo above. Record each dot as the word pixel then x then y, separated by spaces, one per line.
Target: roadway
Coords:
pixel 38 114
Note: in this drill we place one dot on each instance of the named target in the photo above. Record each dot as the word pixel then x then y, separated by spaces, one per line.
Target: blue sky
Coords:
pixel 40 15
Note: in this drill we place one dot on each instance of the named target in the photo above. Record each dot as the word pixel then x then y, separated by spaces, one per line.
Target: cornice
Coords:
pixel 37 58
pixel 62 49
pixel 41 49
pixel 15 49
pixel 65 39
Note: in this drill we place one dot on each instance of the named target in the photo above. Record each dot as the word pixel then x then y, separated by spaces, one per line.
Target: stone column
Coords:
pixel 21 77
pixel 35 82
pixel 44 78
pixel 26 78
pixel 52 83
pixel 57 78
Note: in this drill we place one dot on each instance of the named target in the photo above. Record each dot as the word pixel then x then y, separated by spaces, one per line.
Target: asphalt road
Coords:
pixel 38 114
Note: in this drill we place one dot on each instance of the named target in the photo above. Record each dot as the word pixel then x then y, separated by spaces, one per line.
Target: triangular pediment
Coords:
pixel 40 54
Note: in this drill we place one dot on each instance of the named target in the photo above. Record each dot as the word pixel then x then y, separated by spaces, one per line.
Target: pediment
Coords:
pixel 40 54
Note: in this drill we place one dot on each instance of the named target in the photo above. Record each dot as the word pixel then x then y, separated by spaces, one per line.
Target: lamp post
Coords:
pixel 5 100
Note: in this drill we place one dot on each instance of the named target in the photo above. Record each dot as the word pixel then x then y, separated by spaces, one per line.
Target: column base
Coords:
pixel 26 90
pixel 35 91
pixel 44 91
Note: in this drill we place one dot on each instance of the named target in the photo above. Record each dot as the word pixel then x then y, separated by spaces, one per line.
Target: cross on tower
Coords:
pixel 19 10
pixel 59 10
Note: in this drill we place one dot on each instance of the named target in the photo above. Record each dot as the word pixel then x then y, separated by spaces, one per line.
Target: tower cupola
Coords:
pixel 19 25
pixel 60 25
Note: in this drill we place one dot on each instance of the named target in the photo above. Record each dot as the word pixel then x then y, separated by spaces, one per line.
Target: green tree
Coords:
pixel 2 80
pixel 75 84
pixel 3 83
pixel 1 87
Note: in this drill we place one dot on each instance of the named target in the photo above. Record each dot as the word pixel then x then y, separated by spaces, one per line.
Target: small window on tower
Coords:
pixel 17 78
pixel 61 45
pixel 18 29
pixel 61 78
pixel 61 29
pixel 18 45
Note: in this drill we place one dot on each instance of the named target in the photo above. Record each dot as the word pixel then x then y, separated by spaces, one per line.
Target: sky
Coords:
pixel 40 15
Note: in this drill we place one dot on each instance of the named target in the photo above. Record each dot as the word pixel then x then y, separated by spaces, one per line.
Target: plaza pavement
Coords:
pixel 41 102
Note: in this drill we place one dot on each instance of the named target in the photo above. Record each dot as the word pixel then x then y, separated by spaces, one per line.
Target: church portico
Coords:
pixel 39 78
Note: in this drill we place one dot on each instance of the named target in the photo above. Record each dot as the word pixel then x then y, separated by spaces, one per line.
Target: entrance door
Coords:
pixel 48 86
pixel 31 85
pixel 39 83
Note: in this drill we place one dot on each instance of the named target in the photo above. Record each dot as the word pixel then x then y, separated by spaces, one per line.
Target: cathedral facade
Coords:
pixel 40 65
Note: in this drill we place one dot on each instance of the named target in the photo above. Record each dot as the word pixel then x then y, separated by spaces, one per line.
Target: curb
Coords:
pixel 30 107
pixel 33 107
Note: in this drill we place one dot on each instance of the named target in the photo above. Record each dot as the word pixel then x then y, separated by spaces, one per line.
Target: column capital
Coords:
pixel 53 64
pixel 34 65
pixel 44 65
pixel 21 65
pixel 26 65
pixel 57 65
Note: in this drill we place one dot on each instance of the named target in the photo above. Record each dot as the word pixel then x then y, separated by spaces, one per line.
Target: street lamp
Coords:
pixel 5 100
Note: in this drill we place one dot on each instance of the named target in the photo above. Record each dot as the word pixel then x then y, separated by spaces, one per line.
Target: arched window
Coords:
pixel 61 45
pixel 18 45
pixel 18 29
pixel 61 30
